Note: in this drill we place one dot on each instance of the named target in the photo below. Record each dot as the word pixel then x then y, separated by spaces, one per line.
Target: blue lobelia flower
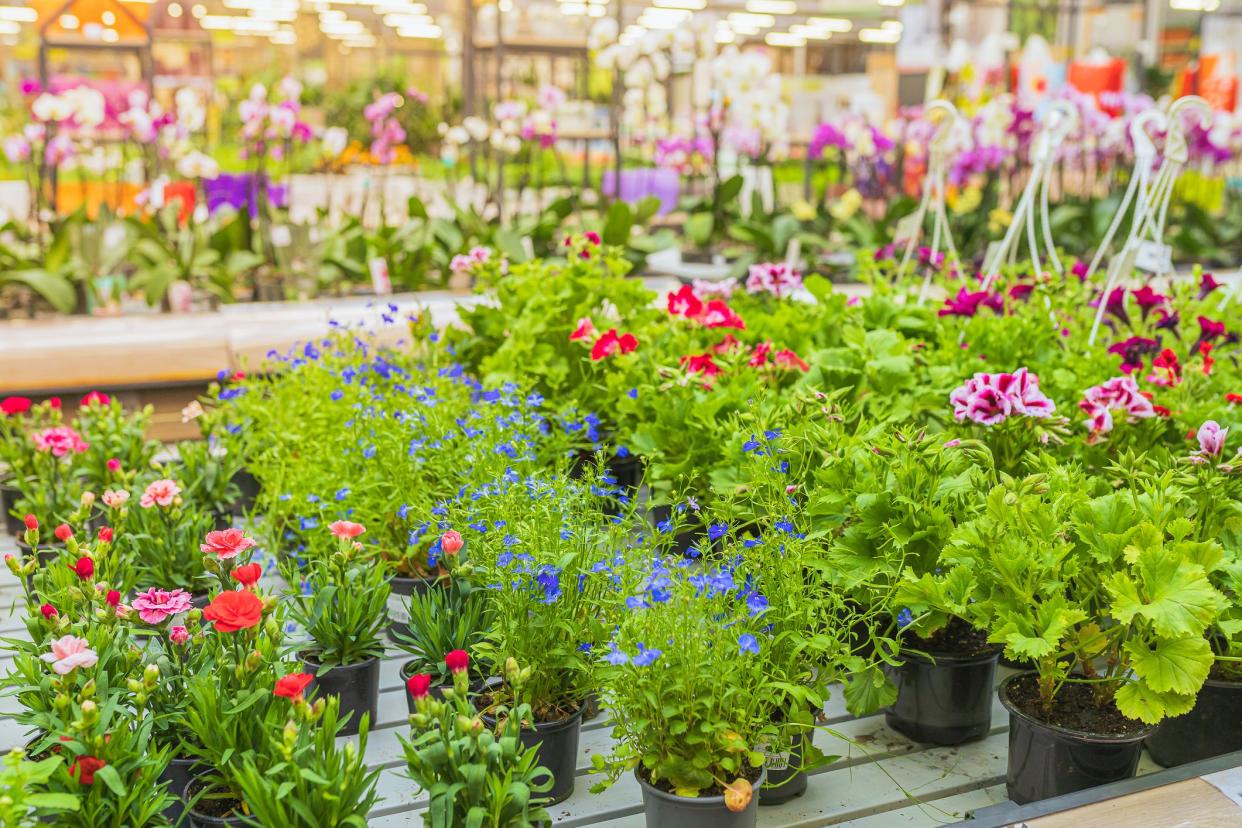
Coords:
pixel 750 445
pixel 756 604
pixel 646 657
pixel 717 530
pixel 905 618
pixel 341 494
pixel 551 583
pixel 615 657
pixel 747 643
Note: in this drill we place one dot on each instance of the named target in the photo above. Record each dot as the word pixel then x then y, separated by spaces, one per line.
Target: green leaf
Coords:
pixel 1178 665
pixel 57 290
pixel 1138 701
pixel 112 779
pixel 868 690
pixel 52 801
pixel 618 223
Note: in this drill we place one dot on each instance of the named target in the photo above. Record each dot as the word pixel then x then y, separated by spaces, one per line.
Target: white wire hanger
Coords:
pixel 1058 124
pixel 1145 246
pixel 933 200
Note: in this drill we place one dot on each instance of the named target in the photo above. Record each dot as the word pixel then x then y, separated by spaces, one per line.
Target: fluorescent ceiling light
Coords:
pixel 879 35
pixel 784 39
pixel 830 24
pixel 772 6
pixel 18 14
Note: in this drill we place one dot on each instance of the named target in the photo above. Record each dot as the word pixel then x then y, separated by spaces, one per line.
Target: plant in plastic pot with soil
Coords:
pixel 339 595
pixel 443 620
pixel 1110 599
pixel 540 547
pixel 694 694
pixel 467 768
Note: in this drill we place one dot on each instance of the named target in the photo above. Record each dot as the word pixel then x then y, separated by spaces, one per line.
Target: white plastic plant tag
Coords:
pixel 793 253
pixel 282 236
pixel 114 236
pixel 155 195
pixel 379 276
pixel 1154 257
pixel 907 228
pixel 528 247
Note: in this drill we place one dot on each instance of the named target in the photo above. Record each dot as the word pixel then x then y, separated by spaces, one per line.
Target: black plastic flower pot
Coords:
pixel 628 470
pixel 248 485
pixel 785 778
pixel 1213 727
pixel 945 699
pixel 200 812
pixel 691 541
pixel 667 810
pixel 356 685
pixel 402 589
pixel 15 525
pixel 1046 760
pixel 178 774
pixel 557 746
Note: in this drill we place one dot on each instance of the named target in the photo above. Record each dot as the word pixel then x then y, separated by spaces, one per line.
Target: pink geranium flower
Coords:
pixel 1212 438
pixel 160 493
pixel 69 653
pixel 1119 394
pixel 59 441
pixel 718 314
pixel 776 278
pixel 155 606
pixel 226 543
pixel 346 529
pixel 989 399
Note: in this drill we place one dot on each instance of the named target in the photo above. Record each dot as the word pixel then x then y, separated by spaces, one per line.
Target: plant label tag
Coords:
pixel 528 247
pixel 907 228
pixel 379 276
pixel 776 761
pixel 155 194
pixel 1154 257
pixel 282 236
pixel 397 612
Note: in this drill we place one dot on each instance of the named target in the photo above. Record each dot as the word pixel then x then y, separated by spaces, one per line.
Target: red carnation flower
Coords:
pixel 94 397
pixel 233 611
pixel 85 568
pixel 457 661
pixel 419 685
pixel 84 769
pixel 48 611
pixel 113 598
pixel 63 533
pixel 32 522
pixel 105 534
pixel 14 405
pixel 293 685
pixel 248 575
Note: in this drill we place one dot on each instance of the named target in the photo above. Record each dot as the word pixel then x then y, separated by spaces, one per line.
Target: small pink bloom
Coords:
pixel 68 653
pixel 114 465
pixel 59 441
pixel 451 542
pixel 155 606
pixel 115 499
pixel 226 543
pixel 1212 438
pixel 178 634
pixel 346 529
pixel 160 493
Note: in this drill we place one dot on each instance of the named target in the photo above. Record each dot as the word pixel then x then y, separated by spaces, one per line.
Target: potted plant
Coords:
pixel 544 544
pixel 469 770
pixel 25 801
pixel 1109 598
pixel 116 441
pixel 340 599
pixel 415 573
pixel 208 476
pixel 161 532
pixel 1212 488
pixel 305 778
pixel 686 678
pixel 445 620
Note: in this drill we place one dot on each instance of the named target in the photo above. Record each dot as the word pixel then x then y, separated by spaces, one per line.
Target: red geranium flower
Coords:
pixel 759 356
pixel 54 402
pixel 701 364
pixel 1233 398
pixel 14 405
pixel 84 769
pixel 235 610
pixel 685 302
pixel 718 314
pixel 610 343
pixel 786 358
pixel 293 685
pixel 585 330
pixel 248 575
pixel 457 661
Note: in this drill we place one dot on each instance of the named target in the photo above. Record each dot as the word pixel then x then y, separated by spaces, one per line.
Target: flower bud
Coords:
pixel 14 565
pixel 738 795
pixel 151 676
pixel 90 711
pixel 63 533
pixel 254 660
pixel 32 523
pixel 88 500
pixel 88 689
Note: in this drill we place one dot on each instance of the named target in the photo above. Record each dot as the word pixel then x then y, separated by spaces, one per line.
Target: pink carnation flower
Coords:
pixel 115 499
pixel 161 493
pixel 226 543
pixel 346 529
pixel 59 441
pixel 69 653
pixel 155 606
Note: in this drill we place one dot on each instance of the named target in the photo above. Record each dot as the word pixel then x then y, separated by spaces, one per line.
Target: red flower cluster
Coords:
pixel 95 397
pixel 611 343
pixel 714 313
pixel 14 405
pixel 293 685
pixel 84 769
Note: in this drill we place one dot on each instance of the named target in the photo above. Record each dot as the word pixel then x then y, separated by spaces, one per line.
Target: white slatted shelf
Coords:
pixel 882 778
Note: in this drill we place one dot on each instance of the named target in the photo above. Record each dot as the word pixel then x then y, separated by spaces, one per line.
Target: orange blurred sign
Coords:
pixel 92 20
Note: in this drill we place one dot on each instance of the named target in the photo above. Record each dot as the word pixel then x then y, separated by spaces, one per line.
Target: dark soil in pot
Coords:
pixel 356 685
pixel 557 744
pixel 944 692
pixel 402 588
pixel 1212 728
pixel 665 809
pixel 1077 745
pixel 209 812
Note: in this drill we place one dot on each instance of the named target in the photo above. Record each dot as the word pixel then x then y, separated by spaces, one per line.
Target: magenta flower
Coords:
pixel 178 635
pixel 1209 330
pixel 1149 299
pixel 776 278
pixel 155 606
pixel 1116 304
pixel 968 303
pixel 1132 352
pixel 1118 394
pixel 1206 285
pixel 989 399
